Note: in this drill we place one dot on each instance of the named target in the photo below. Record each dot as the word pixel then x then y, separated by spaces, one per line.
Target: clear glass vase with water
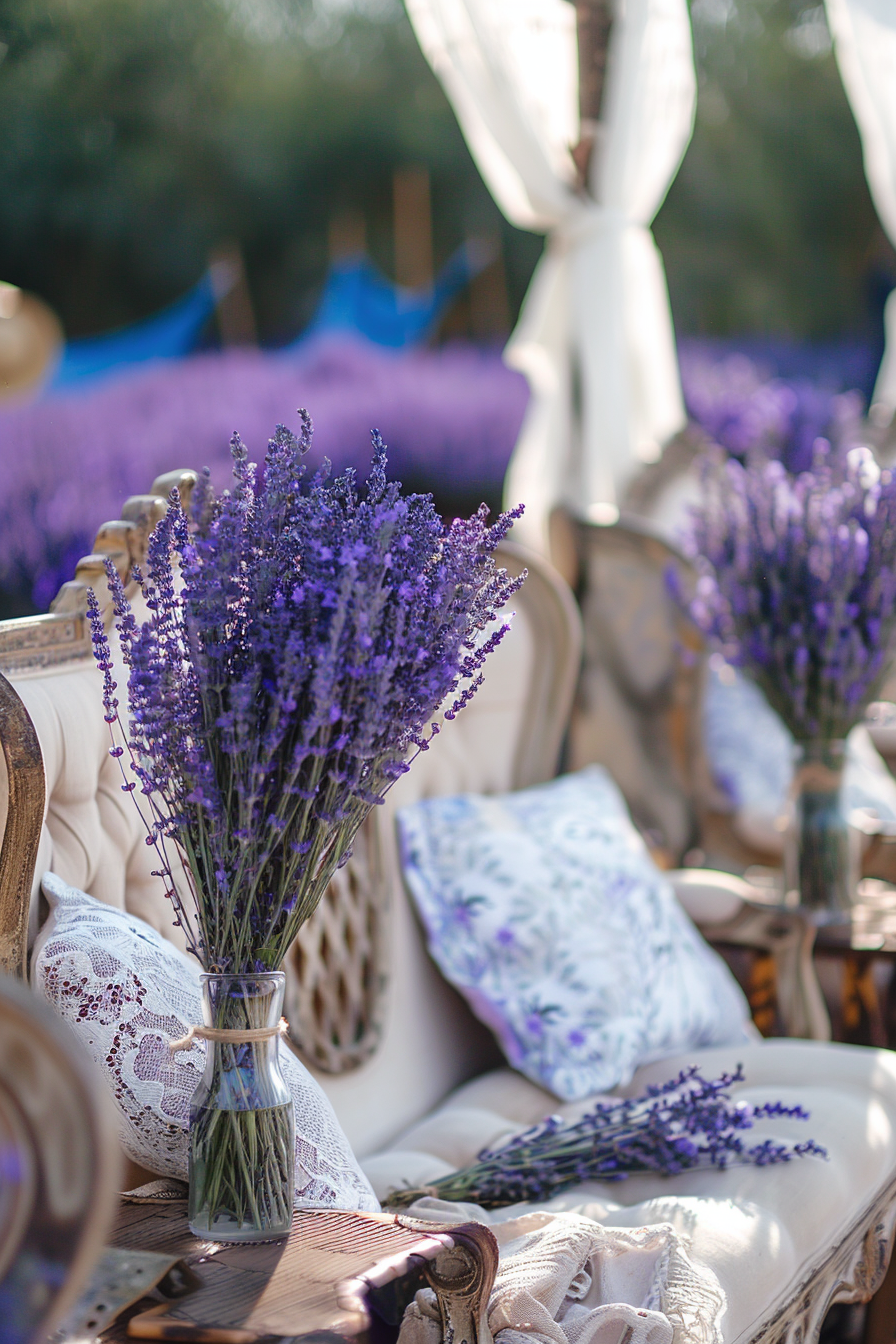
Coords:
pixel 822 851
pixel 242 1116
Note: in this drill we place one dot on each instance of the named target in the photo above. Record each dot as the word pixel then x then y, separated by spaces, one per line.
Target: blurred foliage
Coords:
pixel 136 135
pixel 769 226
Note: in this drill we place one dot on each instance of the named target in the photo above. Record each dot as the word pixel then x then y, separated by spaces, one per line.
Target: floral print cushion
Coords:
pixel 127 993
pixel 545 910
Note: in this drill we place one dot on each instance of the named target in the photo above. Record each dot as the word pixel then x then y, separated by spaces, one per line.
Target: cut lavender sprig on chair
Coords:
pixel 302 637
pixel 685 1123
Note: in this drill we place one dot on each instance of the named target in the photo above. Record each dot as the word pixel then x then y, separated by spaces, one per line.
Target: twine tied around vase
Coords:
pixel 816 777
pixel 228 1035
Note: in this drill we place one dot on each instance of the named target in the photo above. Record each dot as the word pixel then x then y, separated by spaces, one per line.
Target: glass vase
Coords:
pixel 821 859
pixel 242 1117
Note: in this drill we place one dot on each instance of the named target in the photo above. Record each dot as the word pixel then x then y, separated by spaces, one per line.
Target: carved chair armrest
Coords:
pixel 730 912
pixel 25 789
pixel 462 1279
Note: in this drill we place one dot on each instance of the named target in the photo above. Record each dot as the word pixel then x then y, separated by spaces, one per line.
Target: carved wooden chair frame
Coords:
pixel 338 1027
pixel 336 999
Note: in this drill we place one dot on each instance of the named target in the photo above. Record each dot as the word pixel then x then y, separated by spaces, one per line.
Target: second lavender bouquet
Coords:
pixel 301 637
pixel 798 586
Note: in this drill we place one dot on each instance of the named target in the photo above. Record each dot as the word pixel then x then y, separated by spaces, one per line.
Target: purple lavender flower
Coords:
pixel 301 636
pixel 744 410
pixel 798 581
pixel 450 416
pixel 686 1122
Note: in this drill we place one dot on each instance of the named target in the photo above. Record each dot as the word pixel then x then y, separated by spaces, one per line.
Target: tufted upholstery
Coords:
pixel 92 836
pixel 509 736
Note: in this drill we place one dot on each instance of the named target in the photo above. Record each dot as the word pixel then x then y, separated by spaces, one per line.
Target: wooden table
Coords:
pixel 864 1017
pixel 336 1275
pixel 846 954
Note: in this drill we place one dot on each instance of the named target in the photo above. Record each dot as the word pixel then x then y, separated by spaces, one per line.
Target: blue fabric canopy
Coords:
pixel 356 298
pixel 169 334
pixel 359 299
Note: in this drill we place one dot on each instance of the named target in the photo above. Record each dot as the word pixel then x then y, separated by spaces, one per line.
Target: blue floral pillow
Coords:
pixel 545 910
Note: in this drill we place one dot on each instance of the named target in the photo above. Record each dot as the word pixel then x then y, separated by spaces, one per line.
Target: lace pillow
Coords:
pixel 127 993
pixel 545 910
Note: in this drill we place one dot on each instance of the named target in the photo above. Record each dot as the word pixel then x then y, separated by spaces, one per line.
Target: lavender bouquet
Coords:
pixel 798 586
pixel 798 582
pixel 686 1122
pixel 302 634
pixel 744 410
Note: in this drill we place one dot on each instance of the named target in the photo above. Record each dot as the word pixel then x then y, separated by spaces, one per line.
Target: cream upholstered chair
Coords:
pixel 405 1057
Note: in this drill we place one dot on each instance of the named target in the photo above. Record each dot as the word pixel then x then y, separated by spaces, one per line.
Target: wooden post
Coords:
pixel 233 302
pixel 413 227
pixel 347 235
pixel 489 303
pixel 594 19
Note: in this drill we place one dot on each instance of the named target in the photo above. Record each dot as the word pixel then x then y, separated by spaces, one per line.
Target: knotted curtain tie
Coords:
pixel 228 1035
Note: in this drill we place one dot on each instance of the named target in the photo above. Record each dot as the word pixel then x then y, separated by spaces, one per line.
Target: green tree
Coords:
pixel 769 227
pixel 135 135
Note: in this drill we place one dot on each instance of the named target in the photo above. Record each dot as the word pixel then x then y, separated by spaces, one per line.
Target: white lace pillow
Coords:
pixel 545 910
pixel 127 993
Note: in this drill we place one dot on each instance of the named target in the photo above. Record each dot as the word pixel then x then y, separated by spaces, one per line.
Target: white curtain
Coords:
pixel 864 33
pixel 595 335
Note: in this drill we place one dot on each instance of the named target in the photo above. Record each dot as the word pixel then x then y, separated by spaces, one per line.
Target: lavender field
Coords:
pixel 449 417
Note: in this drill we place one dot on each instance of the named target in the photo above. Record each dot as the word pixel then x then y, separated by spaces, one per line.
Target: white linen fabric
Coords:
pixel 864 33
pixel 750 752
pixel 597 310
pixel 545 910
pixel 127 993
pixel 566 1280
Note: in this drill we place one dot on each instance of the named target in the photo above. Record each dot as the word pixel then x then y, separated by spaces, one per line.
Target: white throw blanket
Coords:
pixel 564 1279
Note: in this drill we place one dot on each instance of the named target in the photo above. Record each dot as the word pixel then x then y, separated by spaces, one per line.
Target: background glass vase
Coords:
pixel 822 851
pixel 242 1119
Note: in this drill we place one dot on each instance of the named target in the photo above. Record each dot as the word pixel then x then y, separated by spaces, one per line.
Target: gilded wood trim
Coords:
pixel 462 1280
pixel 36 643
pixel 63 635
pixel 26 790
pixel 851 1271
pixel 33 642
